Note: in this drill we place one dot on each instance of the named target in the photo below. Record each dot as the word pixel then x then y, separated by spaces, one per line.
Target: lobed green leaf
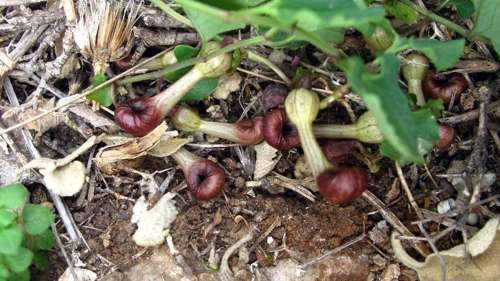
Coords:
pixel 43 241
pixel 19 261
pixel 103 96
pixel 442 54
pixel 427 133
pixel 13 196
pixel 37 218
pixel 386 101
pixel 40 261
pixel 465 8
pixel 4 271
pixel 435 107
pixel 201 90
pixel 209 26
pixel 182 53
pixel 21 276
pixel 6 217
pixel 314 15
pixel 10 239
pixel 401 11
pixel 488 23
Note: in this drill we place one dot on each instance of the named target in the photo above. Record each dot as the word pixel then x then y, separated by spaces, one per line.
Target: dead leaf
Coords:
pixel 82 274
pixel 481 265
pixel 153 223
pixel 133 148
pixel 64 177
pixel 167 147
pixel 66 180
pixel 266 159
pixel 227 84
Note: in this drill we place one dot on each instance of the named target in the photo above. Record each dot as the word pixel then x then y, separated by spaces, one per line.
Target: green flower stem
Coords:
pixel 173 94
pixel 415 87
pixel 437 18
pixel 184 158
pixel 365 130
pixel 302 107
pixel 220 130
pixel 189 62
pixel 262 60
pixel 349 131
pixel 317 160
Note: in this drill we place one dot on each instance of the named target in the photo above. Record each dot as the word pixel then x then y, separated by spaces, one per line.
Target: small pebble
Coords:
pixel 472 219
pixel 445 206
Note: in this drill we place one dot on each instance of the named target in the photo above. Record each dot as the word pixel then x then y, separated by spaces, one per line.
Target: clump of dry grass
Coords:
pixel 104 29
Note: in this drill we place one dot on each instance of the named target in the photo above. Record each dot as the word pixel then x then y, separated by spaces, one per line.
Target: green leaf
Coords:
pixel 236 60
pixel 10 239
pixel 233 4
pixel 318 14
pixel 22 276
pixel 249 3
pixel 427 129
pixel 182 53
pixel 4 272
pixel 6 217
pixel 330 34
pixel 488 23
pixel 209 26
pixel 435 107
pixel 103 96
pixel 282 39
pixel 201 90
pixel 40 261
pixel 37 219
pixel 442 54
pixel 401 11
pixel 19 261
pixel 13 196
pixel 386 101
pixel 43 241
pixel 427 133
pixel 465 8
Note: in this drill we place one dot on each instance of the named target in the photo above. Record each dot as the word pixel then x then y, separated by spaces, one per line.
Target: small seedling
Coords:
pixel 24 233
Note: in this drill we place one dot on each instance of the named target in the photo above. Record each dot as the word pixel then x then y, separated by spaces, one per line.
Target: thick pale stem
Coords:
pixel 221 130
pixel 336 131
pixel 184 158
pixel 365 130
pixel 315 157
pixel 415 87
pixel 167 99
